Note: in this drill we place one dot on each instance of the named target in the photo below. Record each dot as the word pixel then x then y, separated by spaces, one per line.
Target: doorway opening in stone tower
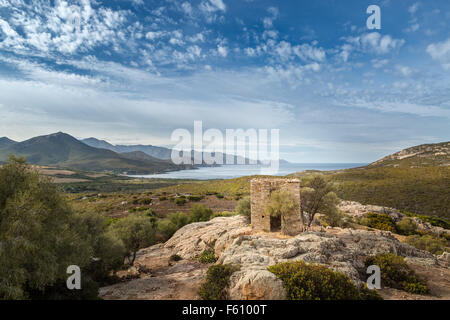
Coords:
pixel 275 224
pixel 275 221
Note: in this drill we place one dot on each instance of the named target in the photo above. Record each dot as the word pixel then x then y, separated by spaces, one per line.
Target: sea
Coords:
pixel 235 171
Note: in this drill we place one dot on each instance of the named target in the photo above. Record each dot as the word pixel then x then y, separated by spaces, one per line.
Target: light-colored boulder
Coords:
pixel 256 285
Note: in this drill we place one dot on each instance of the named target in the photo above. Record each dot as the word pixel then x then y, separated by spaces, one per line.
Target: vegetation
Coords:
pixel 428 242
pixel 396 273
pixel 200 213
pixel 41 236
pixel 422 190
pixel 217 280
pixel 207 256
pixel 318 196
pixel 379 221
pixel 243 207
pixel 137 232
pixel 222 214
pixel 437 222
pixel 195 198
pixel 406 226
pixel 180 201
pixel 282 204
pixel 174 221
pixel 316 282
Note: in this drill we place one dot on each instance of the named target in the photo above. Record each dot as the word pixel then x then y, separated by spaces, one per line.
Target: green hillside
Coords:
pixel 63 150
pixel 425 155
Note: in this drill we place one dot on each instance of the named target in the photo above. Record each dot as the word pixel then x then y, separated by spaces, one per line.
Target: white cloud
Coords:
pixel 307 52
pixel 213 6
pixel 63 28
pixel 404 70
pixel 413 8
pixel 372 42
pixel 152 35
pixel 440 52
pixel 222 51
pixel 379 63
pixel 268 21
pixel 187 8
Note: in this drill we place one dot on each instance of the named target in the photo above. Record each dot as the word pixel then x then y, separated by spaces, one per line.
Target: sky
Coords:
pixel 132 71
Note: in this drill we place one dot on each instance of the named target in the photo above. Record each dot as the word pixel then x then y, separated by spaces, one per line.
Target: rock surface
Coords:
pixel 340 249
pixel 356 209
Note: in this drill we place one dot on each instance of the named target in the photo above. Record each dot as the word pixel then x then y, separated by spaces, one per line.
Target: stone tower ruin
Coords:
pixel 261 189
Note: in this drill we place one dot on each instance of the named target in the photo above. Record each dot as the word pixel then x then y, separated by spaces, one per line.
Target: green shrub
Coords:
pixel 175 257
pixel 195 198
pixel 136 232
pixel 243 207
pixel 163 198
pixel 396 273
pixel 166 229
pixel 217 280
pixel 222 214
pixel 219 196
pixel 200 213
pixel 428 242
pixel 379 221
pixel 406 226
pixel 207 256
pixel 180 201
pixel 146 201
pixel 369 294
pixel 314 282
pixel 434 221
pixel 138 209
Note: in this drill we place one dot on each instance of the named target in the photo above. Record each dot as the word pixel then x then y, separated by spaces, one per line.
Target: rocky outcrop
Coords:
pixel 340 249
pixel 344 250
pixel 192 239
pixel 356 209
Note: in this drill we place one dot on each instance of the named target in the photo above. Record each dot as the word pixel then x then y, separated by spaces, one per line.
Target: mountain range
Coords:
pixel 62 150
pixel 154 151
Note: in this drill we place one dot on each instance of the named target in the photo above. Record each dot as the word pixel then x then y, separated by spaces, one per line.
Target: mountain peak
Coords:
pixel 5 141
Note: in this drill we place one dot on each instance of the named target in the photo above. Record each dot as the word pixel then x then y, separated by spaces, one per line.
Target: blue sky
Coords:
pixel 132 71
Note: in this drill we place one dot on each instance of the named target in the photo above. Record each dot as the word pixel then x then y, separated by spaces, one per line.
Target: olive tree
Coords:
pixel 41 235
pixel 282 204
pixel 318 196
pixel 136 232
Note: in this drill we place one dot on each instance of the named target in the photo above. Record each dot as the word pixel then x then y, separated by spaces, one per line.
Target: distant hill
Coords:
pixel 62 150
pixel 5 141
pixel 416 179
pixel 156 152
pixel 425 155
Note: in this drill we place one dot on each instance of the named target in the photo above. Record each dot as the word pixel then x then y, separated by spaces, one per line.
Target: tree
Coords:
pixel 136 232
pixel 200 213
pixel 40 236
pixel 333 216
pixel 282 204
pixel 317 196
pixel 243 207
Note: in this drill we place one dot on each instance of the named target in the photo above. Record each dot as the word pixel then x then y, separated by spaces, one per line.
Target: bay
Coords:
pixel 235 171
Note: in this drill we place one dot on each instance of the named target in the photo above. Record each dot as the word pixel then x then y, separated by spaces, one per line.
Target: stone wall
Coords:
pixel 260 196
